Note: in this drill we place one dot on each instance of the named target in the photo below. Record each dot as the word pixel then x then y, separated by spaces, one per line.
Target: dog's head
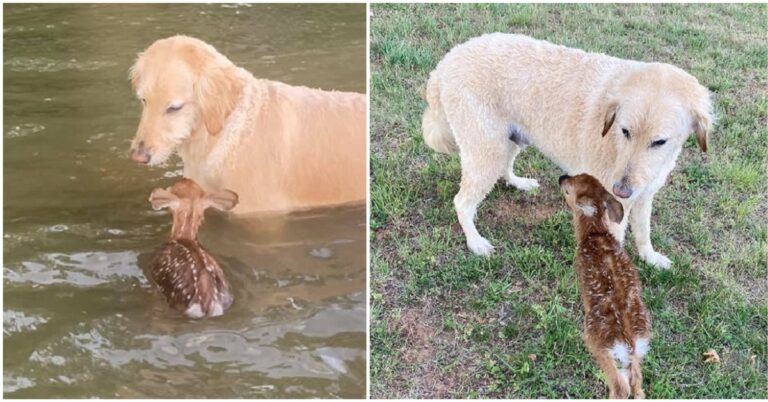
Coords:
pixel 588 198
pixel 184 86
pixel 649 115
pixel 187 202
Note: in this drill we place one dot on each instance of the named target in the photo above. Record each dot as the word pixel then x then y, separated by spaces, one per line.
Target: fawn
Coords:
pixel 617 323
pixel 188 276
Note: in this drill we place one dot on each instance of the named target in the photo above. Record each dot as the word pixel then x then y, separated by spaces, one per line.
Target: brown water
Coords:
pixel 80 318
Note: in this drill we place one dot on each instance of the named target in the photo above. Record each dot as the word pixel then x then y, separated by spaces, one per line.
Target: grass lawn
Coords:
pixel 446 323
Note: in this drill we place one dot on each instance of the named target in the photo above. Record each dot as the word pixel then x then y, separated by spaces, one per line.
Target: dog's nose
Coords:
pixel 622 189
pixel 141 153
pixel 562 179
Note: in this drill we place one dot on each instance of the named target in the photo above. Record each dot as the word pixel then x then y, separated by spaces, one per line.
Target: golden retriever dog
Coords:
pixel 280 147
pixel 622 121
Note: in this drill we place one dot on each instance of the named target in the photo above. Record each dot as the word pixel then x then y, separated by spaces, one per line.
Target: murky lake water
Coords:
pixel 80 318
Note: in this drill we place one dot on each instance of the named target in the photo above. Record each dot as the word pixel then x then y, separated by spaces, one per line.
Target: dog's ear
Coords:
pixel 701 125
pixel 613 208
pixel 218 88
pixel 162 198
pixel 586 205
pixel 699 103
pixel 610 116
pixel 222 200
pixel 134 73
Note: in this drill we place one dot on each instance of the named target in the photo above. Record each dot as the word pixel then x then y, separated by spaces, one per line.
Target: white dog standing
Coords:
pixel 280 147
pixel 622 121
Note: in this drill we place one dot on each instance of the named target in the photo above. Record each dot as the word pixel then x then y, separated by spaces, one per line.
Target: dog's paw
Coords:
pixel 480 246
pixel 522 183
pixel 656 259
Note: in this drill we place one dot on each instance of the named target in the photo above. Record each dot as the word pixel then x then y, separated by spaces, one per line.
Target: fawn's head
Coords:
pixel 187 202
pixel 590 201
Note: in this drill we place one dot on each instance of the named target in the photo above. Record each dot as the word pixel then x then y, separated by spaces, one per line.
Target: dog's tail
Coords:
pixel 434 125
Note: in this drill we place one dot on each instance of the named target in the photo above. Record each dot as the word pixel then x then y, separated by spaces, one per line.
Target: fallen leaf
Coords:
pixel 711 357
pixel 753 359
pixel 532 357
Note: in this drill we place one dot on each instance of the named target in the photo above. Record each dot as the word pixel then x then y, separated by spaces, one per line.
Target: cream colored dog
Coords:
pixel 622 121
pixel 280 147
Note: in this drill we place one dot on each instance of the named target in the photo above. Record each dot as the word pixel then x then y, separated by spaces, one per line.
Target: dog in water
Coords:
pixel 617 324
pixel 622 121
pixel 280 147
pixel 188 276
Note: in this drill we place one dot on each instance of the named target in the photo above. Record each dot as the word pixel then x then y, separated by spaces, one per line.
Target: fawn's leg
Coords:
pixel 618 388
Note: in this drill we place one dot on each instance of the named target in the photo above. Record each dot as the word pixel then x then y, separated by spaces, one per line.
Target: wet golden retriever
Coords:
pixel 622 121
pixel 280 147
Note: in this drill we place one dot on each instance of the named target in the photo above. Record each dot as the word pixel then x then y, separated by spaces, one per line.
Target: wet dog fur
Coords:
pixel 280 147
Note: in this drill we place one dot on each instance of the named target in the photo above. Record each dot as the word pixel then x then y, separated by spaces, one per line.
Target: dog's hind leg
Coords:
pixel 483 155
pixel 518 142
pixel 477 180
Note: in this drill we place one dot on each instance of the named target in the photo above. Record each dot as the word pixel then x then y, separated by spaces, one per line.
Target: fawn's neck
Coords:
pixel 185 225
pixel 589 227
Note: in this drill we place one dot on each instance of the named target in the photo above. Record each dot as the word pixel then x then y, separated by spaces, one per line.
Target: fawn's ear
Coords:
pixel 162 198
pixel 586 206
pixel 223 200
pixel 614 208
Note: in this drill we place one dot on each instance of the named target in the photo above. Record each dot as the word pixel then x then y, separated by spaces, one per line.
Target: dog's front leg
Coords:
pixel 640 220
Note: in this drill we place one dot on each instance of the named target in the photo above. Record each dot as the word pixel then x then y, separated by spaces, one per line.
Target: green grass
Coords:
pixel 446 323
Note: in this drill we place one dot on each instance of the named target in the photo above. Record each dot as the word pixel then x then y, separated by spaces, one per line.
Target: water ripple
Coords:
pixel 47 65
pixel 78 269
pixel 17 321
pixel 23 130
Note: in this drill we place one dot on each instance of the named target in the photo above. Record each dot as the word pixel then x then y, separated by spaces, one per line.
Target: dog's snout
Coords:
pixel 141 153
pixel 562 179
pixel 622 189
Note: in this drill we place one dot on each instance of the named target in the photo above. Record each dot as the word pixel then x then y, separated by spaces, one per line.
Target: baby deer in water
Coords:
pixel 189 278
pixel 617 324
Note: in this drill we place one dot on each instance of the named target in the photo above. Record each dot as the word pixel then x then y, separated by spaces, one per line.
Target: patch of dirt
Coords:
pixel 533 210
pixel 422 337
pixel 417 335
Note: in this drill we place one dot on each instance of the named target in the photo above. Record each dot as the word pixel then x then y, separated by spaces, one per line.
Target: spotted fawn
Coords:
pixel 617 323
pixel 188 276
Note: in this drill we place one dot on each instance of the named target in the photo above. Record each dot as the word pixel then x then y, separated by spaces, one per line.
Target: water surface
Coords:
pixel 80 318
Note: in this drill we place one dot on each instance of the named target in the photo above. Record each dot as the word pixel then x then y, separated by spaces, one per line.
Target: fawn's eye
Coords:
pixel 625 131
pixel 174 108
pixel 143 101
pixel 658 143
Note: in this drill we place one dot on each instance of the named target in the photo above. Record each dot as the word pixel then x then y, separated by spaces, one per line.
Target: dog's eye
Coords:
pixel 625 132
pixel 173 108
pixel 658 143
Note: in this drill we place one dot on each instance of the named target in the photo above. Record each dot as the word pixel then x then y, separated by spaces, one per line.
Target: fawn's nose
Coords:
pixel 622 188
pixel 141 153
pixel 562 179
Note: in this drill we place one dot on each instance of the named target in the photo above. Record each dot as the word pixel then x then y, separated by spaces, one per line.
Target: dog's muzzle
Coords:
pixel 622 189
pixel 141 153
